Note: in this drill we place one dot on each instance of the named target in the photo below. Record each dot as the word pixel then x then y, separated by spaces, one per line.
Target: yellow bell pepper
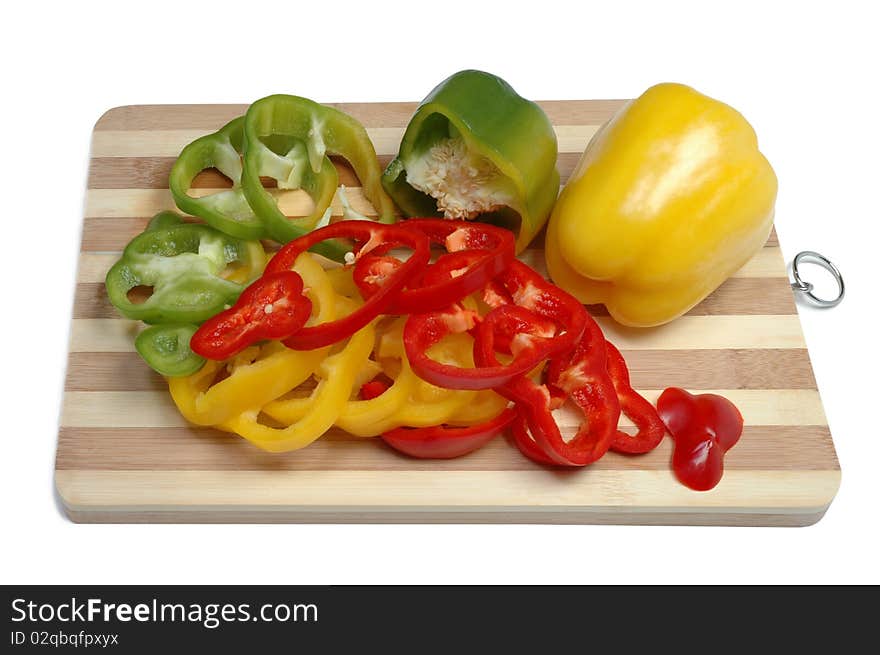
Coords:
pixel 670 198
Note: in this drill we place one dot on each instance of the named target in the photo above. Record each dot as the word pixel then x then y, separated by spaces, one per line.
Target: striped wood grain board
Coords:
pixel 126 455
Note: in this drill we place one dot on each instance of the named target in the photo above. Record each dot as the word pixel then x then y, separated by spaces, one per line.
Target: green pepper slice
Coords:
pixel 226 210
pixel 290 139
pixel 165 349
pixel 475 148
pixel 182 263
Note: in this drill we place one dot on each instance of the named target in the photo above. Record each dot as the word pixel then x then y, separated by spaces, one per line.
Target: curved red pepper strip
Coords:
pixel 272 307
pixel 527 446
pixel 370 235
pixel 704 428
pixel 650 428
pixel 442 442
pixel 532 295
pixel 490 248
pixel 579 374
pixel 582 373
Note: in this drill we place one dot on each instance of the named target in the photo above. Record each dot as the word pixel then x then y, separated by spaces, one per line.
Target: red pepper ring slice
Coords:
pixel 372 271
pixel 530 290
pixel 651 429
pixel 422 331
pixel 272 307
pixel 490 250
pixel 515 329
pixel 534 297
pixel 442 442
pixel 582 373
pixel 370 235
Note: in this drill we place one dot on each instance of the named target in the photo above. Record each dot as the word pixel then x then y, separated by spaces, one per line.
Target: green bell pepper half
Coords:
pixel 182 262
pixel 290 138
pixel 495 155
pixel 226 210
pixel 165 349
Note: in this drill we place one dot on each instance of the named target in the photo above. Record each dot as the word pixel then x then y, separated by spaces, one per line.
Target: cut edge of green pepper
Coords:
pixel 536 196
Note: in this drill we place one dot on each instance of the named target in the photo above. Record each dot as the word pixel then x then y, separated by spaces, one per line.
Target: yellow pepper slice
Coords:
pixel 326 403
pixel 256 261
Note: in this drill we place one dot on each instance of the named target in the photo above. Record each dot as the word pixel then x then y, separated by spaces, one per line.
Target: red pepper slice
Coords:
pixel 371 236
pixel 650 428
pixel 272 307
pixel 523 324
pixel 371 272
pixel 704 428
pixel 527 446
pixel 579 374
pixel 490 250
pixel 442 442
pixel 373 389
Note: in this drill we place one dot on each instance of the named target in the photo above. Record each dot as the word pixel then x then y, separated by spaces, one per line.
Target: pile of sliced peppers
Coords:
pixel 396 345
pixel 428 333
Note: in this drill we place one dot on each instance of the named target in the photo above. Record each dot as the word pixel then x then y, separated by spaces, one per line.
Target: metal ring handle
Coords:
pixel 806 288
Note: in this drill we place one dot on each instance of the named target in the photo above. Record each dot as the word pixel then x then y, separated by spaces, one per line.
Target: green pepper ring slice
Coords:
pixel 165 348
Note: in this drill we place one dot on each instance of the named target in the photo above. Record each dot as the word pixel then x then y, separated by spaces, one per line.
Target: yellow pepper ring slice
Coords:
pixel 327 401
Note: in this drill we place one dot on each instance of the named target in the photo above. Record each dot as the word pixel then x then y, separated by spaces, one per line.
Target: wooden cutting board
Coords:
pixel 126 455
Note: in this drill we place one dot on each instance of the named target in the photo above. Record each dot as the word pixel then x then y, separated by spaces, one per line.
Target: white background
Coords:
pixel 804 74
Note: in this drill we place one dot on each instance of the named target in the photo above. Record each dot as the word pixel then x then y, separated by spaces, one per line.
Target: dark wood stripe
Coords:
pixel 743 296
pixel 111 372
pixel 649 369
pixel 740 295
pixel 181 449
pixel 112 234
pixel 386 114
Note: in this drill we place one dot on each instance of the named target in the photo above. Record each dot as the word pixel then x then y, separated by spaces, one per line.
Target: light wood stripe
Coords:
pixel 459 490
pixel 386 140
pixel 712 332
pixel 190 448
pixel 686 333
pixel 649 369
pixel 154 409
pixel 370 114
pixel 744 296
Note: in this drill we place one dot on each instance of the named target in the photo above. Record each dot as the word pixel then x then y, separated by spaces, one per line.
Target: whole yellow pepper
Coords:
pixel 670 198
